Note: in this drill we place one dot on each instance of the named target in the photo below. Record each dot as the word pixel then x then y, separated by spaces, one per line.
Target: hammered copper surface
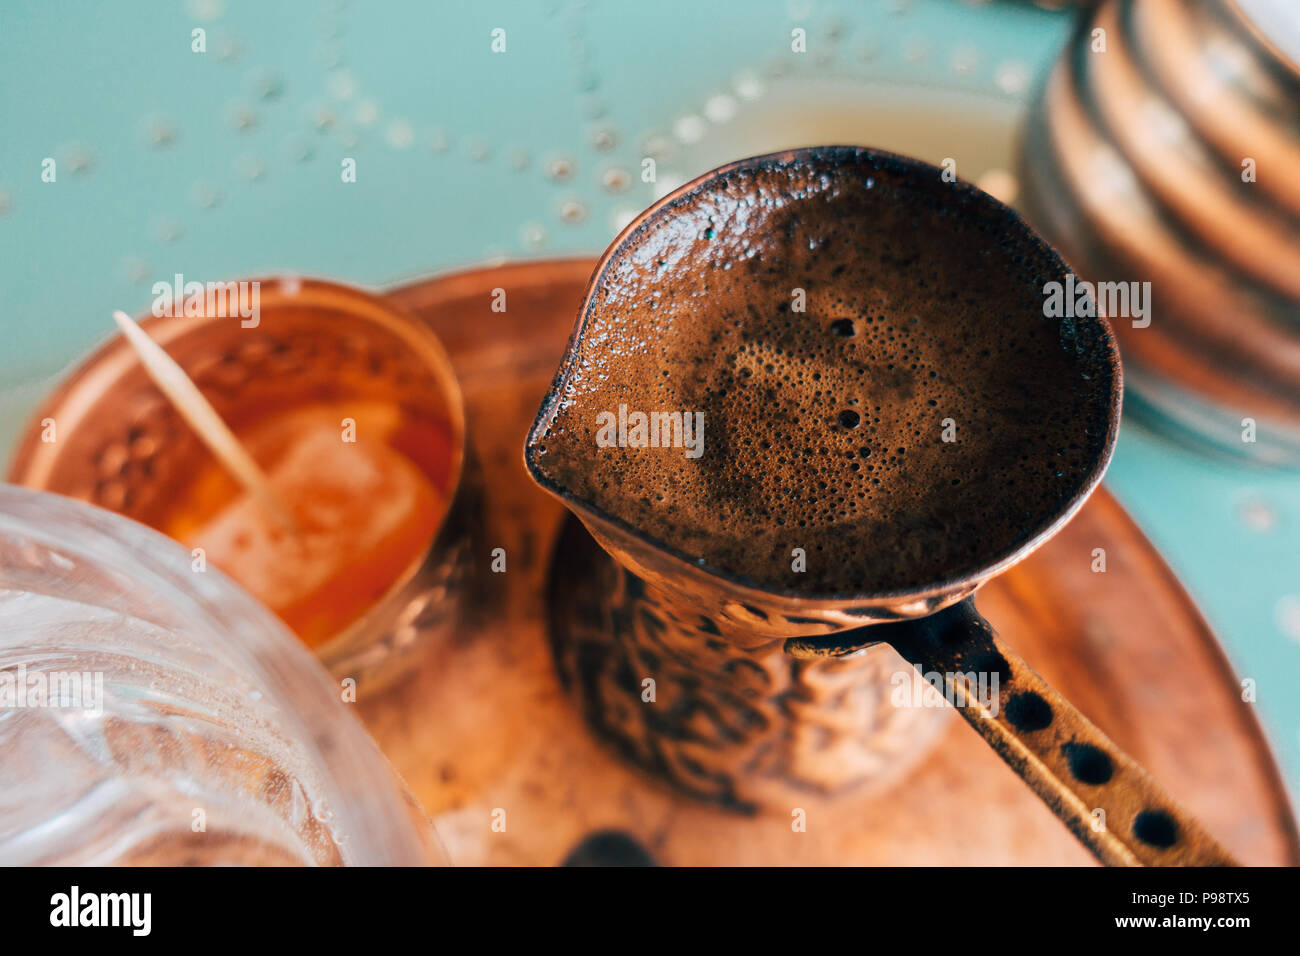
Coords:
pixel 711 631
pixel 121 445
pixel 485 725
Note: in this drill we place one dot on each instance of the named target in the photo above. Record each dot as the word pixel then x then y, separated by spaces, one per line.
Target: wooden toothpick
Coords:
pixel 203 418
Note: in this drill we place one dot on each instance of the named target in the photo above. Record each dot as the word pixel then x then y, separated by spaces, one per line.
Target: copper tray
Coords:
pixel 483 727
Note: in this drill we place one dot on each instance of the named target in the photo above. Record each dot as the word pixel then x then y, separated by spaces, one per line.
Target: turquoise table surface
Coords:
pixel 227 161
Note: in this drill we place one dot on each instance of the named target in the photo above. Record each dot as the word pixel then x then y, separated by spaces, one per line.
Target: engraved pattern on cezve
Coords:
pixel 742 728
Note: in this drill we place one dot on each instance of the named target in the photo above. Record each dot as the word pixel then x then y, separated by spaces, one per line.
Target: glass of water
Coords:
pixel 152 713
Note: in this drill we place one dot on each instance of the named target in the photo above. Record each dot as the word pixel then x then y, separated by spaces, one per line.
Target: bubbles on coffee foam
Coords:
pixel 824 427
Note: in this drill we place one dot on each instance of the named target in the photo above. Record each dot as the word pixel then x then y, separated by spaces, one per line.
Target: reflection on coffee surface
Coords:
pixel 865 348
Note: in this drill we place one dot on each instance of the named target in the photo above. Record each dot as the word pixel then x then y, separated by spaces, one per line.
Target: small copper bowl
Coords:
pixel 1134 166
pixel 119 444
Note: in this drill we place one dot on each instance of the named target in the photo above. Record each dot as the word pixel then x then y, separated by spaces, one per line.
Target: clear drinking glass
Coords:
pixel 151 713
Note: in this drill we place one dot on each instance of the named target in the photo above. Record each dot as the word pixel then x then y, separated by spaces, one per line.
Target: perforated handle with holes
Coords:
pixel 1109 802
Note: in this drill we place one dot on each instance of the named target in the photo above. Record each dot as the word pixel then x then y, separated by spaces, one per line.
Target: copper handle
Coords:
pixel 1106 799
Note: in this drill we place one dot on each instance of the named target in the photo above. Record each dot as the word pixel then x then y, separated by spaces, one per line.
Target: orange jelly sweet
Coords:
pixel 364 511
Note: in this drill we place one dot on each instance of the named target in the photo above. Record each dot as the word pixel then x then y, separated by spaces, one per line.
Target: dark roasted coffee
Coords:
pixel 831 376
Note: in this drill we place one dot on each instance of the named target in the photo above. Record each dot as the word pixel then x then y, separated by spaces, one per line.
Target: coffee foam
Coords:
pixel 824 428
